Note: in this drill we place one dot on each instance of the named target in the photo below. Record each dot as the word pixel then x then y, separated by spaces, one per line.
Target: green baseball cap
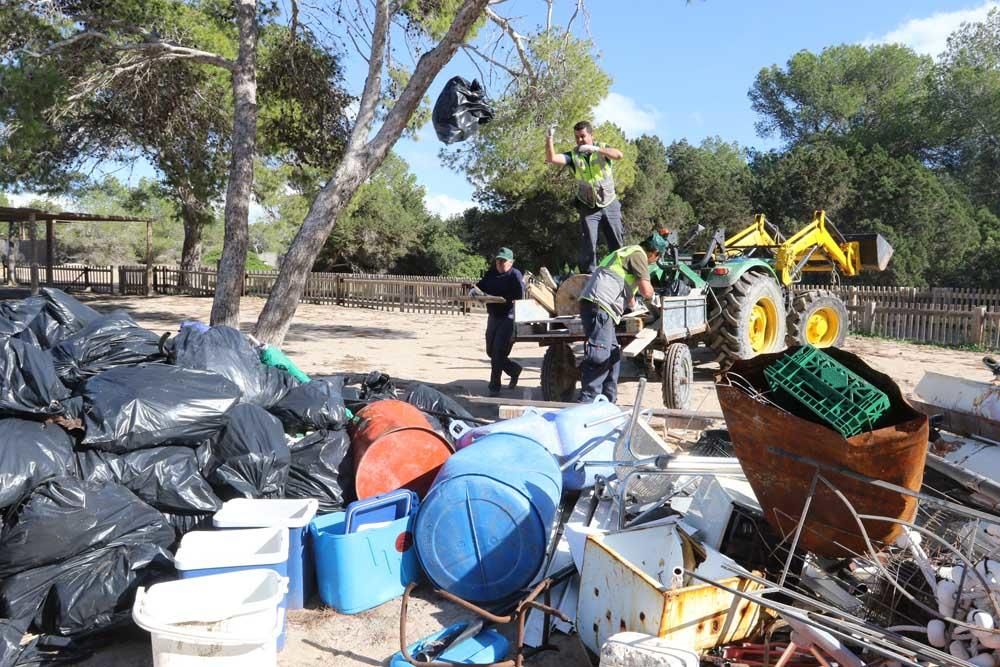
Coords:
pixel 505 253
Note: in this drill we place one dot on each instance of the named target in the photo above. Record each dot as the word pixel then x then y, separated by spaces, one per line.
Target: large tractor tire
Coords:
pixel 559 373
pixel 678 376
pixel 748 320
pixel 818 318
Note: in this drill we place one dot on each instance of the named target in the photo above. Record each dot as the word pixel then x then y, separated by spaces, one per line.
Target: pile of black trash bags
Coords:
pixel 115 441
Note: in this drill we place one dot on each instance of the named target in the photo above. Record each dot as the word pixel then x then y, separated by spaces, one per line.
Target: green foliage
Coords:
pixel 715 180
pixel 651 202
pixel 253 263
pixel 873 95
pixel 789 186
pixel 440 252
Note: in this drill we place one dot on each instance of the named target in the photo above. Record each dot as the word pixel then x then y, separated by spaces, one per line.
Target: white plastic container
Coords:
pixel 294 515
pixel 222 620
pixel 213 550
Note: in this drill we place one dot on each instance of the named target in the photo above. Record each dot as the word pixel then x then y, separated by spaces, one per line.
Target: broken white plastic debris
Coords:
pixel 957 649
pixel 936 634
pixel 947 597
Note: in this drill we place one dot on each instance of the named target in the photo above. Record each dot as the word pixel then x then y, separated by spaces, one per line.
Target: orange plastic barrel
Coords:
pixel 395 447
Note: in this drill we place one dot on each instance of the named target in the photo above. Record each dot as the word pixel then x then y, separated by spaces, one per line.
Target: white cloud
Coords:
pixel 627 114
pixel 929 35
pixel 446 206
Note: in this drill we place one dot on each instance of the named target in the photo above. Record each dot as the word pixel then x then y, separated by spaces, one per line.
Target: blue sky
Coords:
pixel 682 70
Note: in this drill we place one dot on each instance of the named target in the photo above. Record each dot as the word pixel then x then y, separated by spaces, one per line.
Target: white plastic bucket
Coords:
pixel 222 620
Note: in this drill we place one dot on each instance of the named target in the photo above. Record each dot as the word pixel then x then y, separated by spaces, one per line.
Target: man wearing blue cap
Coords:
pixel 606 296
pixel 506 281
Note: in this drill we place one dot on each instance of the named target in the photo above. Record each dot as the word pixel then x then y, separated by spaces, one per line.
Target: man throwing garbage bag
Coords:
pixel 608 294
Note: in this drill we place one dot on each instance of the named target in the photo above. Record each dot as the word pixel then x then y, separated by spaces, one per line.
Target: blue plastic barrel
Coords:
pixel 482 531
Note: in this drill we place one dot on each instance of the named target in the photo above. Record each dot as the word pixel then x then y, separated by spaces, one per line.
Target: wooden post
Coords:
pixel 978 332
pixel 11 255
pixel 149 257
pixel 34 253
pixel 121 280
pixel 868 318
pixel 50 249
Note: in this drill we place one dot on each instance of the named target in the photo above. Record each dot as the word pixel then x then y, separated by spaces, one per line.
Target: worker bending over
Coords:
pixel 506 281
pixel 608 294
pixel 596 201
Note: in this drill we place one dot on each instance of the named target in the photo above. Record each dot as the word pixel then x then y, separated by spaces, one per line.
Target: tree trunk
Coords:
pixel 195 217
pixel 229 281
pixel 11 254
pixel 360 159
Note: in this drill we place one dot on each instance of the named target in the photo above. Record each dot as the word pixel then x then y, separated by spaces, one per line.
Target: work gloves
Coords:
pixel 586 149
pixel 552 131
pixel 475 291
pixel 656 301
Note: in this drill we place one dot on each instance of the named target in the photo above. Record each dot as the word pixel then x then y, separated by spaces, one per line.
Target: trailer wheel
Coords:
pixel 559 373
pixel 678 376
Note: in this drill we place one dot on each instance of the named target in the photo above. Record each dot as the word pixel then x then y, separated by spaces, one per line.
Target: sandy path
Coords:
pixel 444 350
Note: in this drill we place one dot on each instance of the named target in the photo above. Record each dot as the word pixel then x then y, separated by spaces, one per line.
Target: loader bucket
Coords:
pixel 875 250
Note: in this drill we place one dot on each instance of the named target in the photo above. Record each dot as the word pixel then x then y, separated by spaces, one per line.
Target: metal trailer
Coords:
pixel 656 346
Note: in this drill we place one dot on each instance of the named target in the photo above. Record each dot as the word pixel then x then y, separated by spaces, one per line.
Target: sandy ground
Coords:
pixel 446 351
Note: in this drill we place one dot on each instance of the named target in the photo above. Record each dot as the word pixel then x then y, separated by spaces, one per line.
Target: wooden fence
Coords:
pixel 425 294
pixel 66 276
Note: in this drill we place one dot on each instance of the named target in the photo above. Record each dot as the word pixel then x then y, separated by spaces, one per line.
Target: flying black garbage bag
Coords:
pixel 322 468
pixel 107 342
pixel 250 459
pixel 134 407
pixel 315 405
pixel 460 109
pixel 31 453
pixel 28 381
pixel 64 517
pixel 166 478
pixel 229 353
pixel 85 594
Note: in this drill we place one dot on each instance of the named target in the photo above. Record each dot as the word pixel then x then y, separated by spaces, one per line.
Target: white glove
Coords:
pixel 552 131
pixel 587 149
pixel 475 291
pixel 656 301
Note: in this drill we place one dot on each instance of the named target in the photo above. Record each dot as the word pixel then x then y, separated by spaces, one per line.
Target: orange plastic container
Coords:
pixel 395 447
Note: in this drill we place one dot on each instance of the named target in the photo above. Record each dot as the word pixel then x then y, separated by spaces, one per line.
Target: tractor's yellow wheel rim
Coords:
pixel 823 327
pixel 763 327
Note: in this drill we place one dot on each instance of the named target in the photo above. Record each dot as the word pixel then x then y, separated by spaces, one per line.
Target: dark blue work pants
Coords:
pixel 499 341
pixel 601 354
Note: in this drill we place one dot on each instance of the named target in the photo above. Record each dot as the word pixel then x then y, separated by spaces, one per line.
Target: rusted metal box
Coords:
pixel 628 585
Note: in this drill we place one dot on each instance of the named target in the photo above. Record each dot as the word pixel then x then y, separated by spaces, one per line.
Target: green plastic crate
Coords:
pixel 841 398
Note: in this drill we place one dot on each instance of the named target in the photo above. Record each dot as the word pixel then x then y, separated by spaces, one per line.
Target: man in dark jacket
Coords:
pixel 505 281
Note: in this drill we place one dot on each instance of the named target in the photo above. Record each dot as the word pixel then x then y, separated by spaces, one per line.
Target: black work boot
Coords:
pixel 513 379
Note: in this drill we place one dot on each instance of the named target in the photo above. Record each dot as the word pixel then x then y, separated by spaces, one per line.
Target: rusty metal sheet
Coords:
pixel 893 452
pixel 616 595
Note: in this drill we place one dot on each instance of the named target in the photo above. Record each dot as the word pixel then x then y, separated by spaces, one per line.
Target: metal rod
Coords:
pixel 798 529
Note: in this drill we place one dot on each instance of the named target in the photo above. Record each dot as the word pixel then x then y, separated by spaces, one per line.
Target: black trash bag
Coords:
pixel 67 311
pixel 11 632
pixel 313 406
pixel 360 389
pixel 433 401
pixel 28 381
pixel 136 407
pixel 166 478
pixel 86 594
pixel 229 353
pixel 31 453
pixel 460 109
pixel 30 321
pixel 64 517
pixel 185 523
pixel 322 468
pixel 108 342
pixel 251 458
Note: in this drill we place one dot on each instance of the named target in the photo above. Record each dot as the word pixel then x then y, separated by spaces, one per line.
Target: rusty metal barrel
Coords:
pixel 395 447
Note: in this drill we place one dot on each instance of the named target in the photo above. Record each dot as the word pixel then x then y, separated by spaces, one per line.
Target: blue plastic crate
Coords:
pixel 358 571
